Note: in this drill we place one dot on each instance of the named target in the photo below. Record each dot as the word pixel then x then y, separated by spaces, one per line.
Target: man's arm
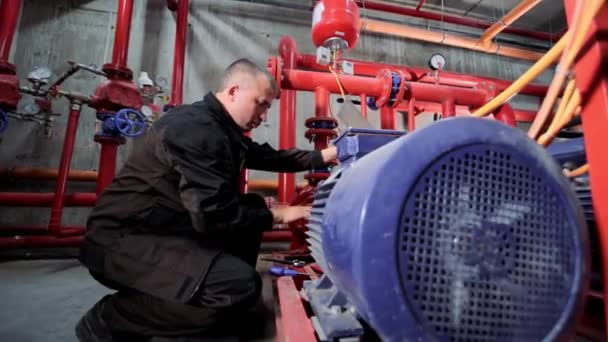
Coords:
pixel 264 157
pixel 203 162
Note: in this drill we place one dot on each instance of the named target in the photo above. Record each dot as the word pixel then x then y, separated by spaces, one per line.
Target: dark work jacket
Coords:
pixel 176 204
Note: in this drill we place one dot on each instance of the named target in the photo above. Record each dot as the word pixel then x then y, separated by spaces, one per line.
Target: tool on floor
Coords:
pixel 294 263
pixel 283 271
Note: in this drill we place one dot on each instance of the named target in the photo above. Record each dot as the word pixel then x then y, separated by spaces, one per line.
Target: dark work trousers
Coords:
pixel 231 286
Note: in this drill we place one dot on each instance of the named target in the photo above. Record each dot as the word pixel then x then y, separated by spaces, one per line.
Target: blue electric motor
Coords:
pixel 465 230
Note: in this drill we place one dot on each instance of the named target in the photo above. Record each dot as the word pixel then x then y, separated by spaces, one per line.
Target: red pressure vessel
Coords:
pixel 335 19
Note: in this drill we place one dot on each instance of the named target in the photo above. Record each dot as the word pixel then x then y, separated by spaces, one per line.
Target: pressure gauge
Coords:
pixel 437 62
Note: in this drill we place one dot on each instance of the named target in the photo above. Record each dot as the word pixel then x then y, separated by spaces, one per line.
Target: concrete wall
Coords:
pixel 52 32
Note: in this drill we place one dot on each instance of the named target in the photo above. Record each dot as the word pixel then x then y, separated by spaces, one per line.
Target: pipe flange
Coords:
pixel 324 122
pixel 399 96
pixel 386 78
pixel 117 72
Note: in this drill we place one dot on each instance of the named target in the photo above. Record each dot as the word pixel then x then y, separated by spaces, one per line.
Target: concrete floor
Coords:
pixel 43 299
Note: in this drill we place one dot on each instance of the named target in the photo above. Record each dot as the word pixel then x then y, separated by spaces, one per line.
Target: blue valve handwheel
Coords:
pixel 130 122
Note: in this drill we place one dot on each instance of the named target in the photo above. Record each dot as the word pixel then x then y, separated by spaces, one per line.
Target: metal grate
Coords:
pixel 486 248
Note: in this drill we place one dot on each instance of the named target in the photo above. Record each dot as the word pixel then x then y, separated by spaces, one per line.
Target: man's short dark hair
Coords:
pixel 246 66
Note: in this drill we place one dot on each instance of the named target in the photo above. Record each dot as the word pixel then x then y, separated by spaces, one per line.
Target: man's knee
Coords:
pixel 230 283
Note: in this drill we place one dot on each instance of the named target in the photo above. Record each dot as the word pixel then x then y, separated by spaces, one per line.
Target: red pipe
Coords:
pixel 309 80
pixel 321 111
pixel 44 241
pixel 363 105
pixel 364 68
pixel 66 240
pixel 379 6
pixel 24 199
pixel 9 12
pixel 387 118
pixel 411 115
pixel 122 34
pixel 181 35
pixel 40 230
pixel 287 120
pixel 107 164
pixel 505 114
pixel 420 4
pixel 64 167
pixel 448 108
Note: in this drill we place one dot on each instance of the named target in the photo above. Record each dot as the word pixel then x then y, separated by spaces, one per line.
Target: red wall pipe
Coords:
pixel 365 68
pixel 122 33
pixel 411 115
pixel 309 80
pixel 363 99
pixel 9 12
pixel 64 168
pixel 35 230
pixel 25 199
pixel 179 54
pixel 107 164
pixel 287 120
pixel 379 6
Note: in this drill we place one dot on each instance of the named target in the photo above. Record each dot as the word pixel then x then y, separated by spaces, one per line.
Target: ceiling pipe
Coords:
pixel 522 8
pixel 409 32
pixel 388 8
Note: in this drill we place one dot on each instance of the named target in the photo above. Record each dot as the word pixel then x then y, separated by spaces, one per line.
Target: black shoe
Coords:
pixel 92 328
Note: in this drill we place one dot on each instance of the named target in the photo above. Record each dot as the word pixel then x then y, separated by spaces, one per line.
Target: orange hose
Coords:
pixel 522 8
pixel 583 15
pixel 571 109
pixel 578 171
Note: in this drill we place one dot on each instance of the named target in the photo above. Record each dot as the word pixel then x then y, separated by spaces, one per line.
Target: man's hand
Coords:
pixel 285 215
pixel 330 154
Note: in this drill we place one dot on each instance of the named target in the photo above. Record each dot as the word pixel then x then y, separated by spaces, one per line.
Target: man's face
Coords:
pixel 251 102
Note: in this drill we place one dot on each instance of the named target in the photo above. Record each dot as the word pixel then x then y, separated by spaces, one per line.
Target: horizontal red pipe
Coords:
pixel 40 230
pixel 378 6
pixel 25 199
pixel 424 75
pixel 9 12
pixel 434 107
pixel 72 237
pixel 309 80
pixel 39 241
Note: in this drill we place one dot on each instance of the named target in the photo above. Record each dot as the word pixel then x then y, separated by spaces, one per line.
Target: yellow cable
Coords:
pixel 578 171
pixel 572 108
pixel 524 79
pixel 563 103
pixel 339 83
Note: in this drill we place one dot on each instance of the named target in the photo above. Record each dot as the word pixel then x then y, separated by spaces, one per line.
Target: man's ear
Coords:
pixel 232 91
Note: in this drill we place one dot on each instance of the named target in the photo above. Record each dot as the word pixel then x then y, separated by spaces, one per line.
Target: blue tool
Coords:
pixel 283 271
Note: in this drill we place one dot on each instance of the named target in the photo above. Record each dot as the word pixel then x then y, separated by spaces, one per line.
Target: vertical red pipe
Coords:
pixel 107 164
pixel 9 12
pixel 592 81
pixel 448 108
pixel 364 105
pixel 181 34
pixel 411 115
pixel 64 168
pixel 287 120
pixel 420 4
pixel 321 111
pixel 387 118
pixel 123 31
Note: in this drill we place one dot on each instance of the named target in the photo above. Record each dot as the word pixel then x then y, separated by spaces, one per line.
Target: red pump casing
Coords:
pixel 335 19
